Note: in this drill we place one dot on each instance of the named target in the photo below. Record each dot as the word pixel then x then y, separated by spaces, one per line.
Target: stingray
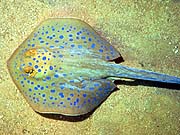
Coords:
pixel 65 67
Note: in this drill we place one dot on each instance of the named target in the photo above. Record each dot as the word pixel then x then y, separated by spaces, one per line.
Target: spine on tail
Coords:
pixel 133 73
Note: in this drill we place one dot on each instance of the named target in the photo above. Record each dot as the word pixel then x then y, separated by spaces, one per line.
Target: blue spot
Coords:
pixel 50 37
pixel 61 102
pixel 60 56
pixel 84 95
pixel 39 70
pixel 61 95
pixel 79 46
pixel 42 88
pixel 83 37
pixel 56 75
pixel 78 33
pixel 107 57
pixel 53 84
pixel 61 47
pixel 62 28
pixel 30 89
pixel 51 98
pixel 77 100
pixel 64 75
pixel 51 67
pixel 32 82
pixel 100 50
pixel 111 48
pixel 35 88
pixel 89 39
pixel 48 77
pixel 71 94
pixel 38 86
pixel 36 66
pixel 33 45
pixel 56 41
pixel 70 35
pixel 70 39
pixel 35 35
pixel 42 41
pixel 44 58
pixel 94 99
pixel 96 84
pixel 40 38
pixel 53 91
pixel 93 46
pixel 46 32
pixel 100 88
pixel 91 88
pixel 43 95
pixel 30 64
pixel 51 47
pixel 71 88
pixel 71 81
pixel 68 98
pixel 61 36
pixel 72 45
pixel 62 87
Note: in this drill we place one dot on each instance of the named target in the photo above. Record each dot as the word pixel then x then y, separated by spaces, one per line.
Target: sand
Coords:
pixel 147 35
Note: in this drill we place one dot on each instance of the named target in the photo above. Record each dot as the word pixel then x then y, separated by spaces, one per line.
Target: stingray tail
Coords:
pixel 133 73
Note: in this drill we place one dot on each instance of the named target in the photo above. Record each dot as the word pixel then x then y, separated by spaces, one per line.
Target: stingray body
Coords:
pixel 64 67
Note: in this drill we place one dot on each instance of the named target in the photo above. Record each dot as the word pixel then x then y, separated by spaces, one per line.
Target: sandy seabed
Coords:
pixel 147 35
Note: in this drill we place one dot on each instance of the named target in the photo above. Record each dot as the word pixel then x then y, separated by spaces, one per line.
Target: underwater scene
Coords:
pixel 90 67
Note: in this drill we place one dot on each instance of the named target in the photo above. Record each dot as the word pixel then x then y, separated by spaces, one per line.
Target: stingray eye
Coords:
pixel 30 52
pixel 30 70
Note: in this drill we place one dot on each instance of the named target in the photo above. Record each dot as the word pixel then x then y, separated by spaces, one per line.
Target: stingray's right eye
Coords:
pixel 30 70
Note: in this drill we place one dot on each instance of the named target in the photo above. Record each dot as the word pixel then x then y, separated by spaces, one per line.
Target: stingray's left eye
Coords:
pixel 30 70
pixel 30 52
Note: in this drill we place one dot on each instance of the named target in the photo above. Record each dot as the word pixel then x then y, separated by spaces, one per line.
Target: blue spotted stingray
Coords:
pixel 65 67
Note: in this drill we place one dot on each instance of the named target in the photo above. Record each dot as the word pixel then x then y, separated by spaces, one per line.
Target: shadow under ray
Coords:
pixel 137 82
pixel 66 118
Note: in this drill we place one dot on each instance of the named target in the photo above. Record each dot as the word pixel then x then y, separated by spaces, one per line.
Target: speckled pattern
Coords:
pixel 57 69
pixel 64 67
